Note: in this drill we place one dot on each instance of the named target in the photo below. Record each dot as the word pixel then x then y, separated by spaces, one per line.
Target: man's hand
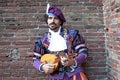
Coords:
pixel 67 61
pixel 48 68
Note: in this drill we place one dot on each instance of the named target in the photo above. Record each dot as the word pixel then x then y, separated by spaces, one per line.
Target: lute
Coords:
pixel 52 58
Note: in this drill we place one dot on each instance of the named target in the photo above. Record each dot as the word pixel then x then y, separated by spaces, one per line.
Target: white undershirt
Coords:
pixel 57 42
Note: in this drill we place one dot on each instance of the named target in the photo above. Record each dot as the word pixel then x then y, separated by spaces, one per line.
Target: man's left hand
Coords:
pixel 66 61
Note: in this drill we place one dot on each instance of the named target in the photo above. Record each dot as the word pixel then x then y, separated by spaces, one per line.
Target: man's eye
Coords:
pixel 56 17
pixel 49 17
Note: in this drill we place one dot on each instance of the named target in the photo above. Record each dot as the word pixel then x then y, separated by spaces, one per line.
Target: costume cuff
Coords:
pixel 75 63
pixel 38 65
pixel 40 68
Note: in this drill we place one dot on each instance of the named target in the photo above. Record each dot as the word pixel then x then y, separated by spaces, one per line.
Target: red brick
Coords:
pixel 23 43
pixel 5 43
pixel 96 1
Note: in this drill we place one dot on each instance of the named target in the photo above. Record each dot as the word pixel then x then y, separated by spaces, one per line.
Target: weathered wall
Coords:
pixel 112 23
pixel 21 23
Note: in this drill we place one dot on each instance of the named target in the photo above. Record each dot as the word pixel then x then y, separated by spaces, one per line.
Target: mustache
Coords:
pixel 52 23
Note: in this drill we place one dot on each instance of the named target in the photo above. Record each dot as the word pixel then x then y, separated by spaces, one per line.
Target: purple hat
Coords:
pixel 54 11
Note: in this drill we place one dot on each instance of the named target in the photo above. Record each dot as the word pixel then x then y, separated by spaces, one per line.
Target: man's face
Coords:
pixel 54 23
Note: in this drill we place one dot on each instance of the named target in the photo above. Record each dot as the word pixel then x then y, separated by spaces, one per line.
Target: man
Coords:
pixel 56 41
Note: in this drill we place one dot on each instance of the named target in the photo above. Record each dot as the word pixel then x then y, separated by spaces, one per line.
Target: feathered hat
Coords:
pixel 54 11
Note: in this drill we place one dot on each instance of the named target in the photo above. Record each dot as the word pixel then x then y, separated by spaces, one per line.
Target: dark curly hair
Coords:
pixel 46 18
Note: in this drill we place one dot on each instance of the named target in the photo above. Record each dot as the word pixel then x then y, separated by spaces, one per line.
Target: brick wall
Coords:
pixel 112 23
pixel 21 23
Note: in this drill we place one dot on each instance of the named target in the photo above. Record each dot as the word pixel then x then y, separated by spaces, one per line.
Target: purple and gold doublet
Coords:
pixel 77 45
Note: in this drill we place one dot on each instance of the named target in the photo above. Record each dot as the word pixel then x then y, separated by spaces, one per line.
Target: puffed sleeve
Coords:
pixel 38 51
pixel 79 46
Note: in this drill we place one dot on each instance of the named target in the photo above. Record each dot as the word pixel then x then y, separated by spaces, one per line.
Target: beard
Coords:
pixel 53 26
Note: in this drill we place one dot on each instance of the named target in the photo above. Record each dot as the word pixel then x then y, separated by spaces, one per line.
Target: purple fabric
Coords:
pixel 36 64
pixel 69 74
pixel 77 70
pixel 80 58
pixel 58 12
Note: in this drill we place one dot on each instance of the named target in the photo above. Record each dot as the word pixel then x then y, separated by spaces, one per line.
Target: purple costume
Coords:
pixel 77 46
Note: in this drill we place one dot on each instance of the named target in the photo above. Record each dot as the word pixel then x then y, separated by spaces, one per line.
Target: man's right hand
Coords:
pixel 48 68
